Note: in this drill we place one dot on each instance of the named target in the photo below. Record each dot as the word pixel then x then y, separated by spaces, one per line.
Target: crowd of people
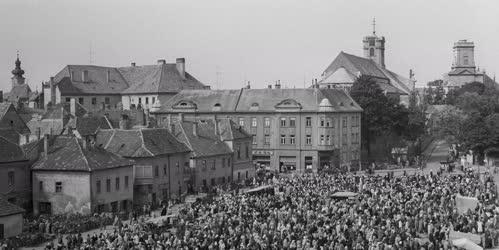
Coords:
pixel 389 212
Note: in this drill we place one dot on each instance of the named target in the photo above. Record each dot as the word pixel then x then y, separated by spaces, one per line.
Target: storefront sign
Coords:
pixel 263 152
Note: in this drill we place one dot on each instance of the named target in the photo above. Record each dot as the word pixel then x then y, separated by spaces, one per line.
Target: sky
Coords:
pixel 229 42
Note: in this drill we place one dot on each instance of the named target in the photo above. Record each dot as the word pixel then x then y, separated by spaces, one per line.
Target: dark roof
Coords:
pixel 356 65
pixel 205 143
pixel 229 130
pixel 157 79
pixel 143 142
pixel 7 208
pixel 10 152
pixel 68 154
pixel 10 134
pixel 17 124
pixel 90 125
pixel 97 82
pixel 259 100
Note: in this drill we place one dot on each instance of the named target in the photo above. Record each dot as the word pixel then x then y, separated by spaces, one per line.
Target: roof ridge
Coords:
pixel 110 139
pixel 181 125
pixel 84 156
pixel 141 135
pixel 238 98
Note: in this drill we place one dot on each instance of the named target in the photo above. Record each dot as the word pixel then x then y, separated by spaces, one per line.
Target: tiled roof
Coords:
pixel 144 142
pixel 7 208
pixel 356 65
pixel 16 121
pixel 157 79
pixel 205 143
pixel 67 154
pixel 10 134
pixel 97 82
pixel 229 130
pixel 19 92
pixel 90 125
pixel 4 108
pixel 10 152
pixel 258 100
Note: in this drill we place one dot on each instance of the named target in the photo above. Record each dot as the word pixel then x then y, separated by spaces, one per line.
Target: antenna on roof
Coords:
pixel 374 25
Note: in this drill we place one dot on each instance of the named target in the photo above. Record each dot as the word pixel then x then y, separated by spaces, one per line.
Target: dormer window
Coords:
pixel 183 104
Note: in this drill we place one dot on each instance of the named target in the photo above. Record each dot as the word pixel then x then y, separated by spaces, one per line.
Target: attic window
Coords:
pixel 254 104
pixel 341 103
pixel 217 105
pixel 183 104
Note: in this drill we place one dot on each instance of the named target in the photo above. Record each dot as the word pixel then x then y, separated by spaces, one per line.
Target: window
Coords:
pixel 292 139
pixel 68 99
pixel 117 184
pixel 328 122
pixel 80 100
pixel 40 186
pixel 322 122
pixel 283 122
pixel 267 140
pixel 241 121
pixel 238 152
pixel 247 151
pixel 153 100
pixel 254 142
pixel 266 122
pixel 126 181
pixel 108 185
pixel 292 121
pixel 465 60
pixel 344 122
pixel 308 121
pixel 344 139
pixel 94 100
pixel 177 165
pixel 223 162
pixel 228 162
pixel 283 139
pixel 253 122
pixel 11 178
pixel 371 52
pixel 140 100
pixel 371 42
pixel 308 139
pixel 98 186
pixel 322 140
pixel 328 142
pixel 204 164
pixel 107 100
pixel 213 166
pixel 213 183
pixel 147 100
pixel 164 170
pixel 58 187
pixel 156 171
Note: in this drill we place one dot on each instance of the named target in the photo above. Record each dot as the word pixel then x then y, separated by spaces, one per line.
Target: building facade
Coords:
pixel 15 184
pixel 74 177
pixel 292 129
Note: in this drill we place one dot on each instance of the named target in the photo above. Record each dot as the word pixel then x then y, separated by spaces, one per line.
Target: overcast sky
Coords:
pixel 254 40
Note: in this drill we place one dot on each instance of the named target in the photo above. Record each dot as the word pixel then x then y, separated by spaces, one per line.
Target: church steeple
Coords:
pixel 18 73
pixel 374 47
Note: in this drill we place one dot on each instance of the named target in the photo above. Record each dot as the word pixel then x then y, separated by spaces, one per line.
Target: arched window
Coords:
pixel 371 52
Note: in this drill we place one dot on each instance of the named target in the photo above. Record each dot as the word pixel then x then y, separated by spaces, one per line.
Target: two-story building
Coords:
pixel 12 126
pixel 160 161
pixel 292 129
pixel 75 177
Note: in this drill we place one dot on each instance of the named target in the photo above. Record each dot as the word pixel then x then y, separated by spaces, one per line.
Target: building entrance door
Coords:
pixel 1 232
pixel 45 207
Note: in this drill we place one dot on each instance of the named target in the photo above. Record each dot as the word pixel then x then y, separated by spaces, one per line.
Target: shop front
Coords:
pixel 262 159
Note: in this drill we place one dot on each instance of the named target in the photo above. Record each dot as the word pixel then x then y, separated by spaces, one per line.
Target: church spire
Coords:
pixel 374 26
pixel 18 72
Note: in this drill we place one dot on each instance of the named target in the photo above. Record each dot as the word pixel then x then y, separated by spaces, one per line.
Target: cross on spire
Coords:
pixel 374 25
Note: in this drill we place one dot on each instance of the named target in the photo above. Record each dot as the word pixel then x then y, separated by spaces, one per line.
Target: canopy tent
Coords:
pixel 466 244
pixel 463 203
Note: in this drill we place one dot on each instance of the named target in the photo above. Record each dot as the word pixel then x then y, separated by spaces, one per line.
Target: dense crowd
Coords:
pixel 404 212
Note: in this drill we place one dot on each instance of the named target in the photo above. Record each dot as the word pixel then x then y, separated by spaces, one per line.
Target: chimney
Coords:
pixel 248 86
pixel 84 143
pixel 108 76
pixel 72 106
pixel 1 96
pixel 45 145
pixel 84 76
pixel 133 64
pixel 269 86
pixel 161 61
pixel 123 121
pixel 181 67
pixel 146 117
pixel 195 128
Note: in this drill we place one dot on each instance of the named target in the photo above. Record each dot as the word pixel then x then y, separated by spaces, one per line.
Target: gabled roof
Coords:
pixel 12 123
pixel 205 143
pixel 463 71
pixel 144 142
pixel 259 100
pixel 7 208
pixel 356 65
pixel 90 125
pixel 97 82
pixel 229 130
pixel 10 152
pixel 157 79
pixel 67 154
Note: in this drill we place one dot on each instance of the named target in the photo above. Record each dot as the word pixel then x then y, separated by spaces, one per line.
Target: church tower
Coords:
pixel 18 73
pixel 464 55
pixel 374 47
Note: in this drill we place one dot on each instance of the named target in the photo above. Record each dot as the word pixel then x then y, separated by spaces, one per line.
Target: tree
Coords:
pixel 428 97
pixel 439 97
pixel 446 124
pixel 382 115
